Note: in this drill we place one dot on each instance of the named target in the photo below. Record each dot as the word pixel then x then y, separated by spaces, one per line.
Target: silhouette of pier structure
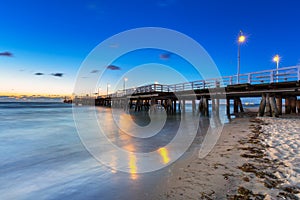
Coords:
pixel 271 85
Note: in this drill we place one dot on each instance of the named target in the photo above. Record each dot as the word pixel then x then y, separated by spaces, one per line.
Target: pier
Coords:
pixel 272 86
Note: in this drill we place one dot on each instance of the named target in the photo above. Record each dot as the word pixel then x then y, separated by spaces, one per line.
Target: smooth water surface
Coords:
pixel 42 156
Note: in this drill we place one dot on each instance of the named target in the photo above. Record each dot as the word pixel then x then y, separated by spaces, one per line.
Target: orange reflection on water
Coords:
pixel 164 154
pixel 132 166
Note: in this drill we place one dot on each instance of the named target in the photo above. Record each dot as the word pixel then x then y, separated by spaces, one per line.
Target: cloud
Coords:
pixel 94 71
pixel 57 74
pixel 113 67
pixel 6 53
pixel 165 56
pixel 39 74
pixel 114 46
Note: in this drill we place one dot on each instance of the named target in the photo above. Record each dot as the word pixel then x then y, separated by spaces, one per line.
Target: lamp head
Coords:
pixel 276 58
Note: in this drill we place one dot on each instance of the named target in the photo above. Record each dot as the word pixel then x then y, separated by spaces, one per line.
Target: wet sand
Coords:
pixel 255 158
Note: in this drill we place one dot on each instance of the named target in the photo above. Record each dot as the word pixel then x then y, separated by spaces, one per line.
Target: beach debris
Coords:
pixel 226 176
pixel 218 164
pixel 259 164
pixel 291 189
pixel 246 179
pixel 286 195
pixel 206 196
pixel 245 194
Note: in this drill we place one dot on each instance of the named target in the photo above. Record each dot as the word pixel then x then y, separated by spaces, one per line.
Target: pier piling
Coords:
pixel 279 104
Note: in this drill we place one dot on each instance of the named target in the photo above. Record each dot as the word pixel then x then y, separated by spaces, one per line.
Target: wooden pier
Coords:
pixel 272 86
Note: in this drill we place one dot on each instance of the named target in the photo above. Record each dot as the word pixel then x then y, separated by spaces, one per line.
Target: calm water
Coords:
pixel 42 156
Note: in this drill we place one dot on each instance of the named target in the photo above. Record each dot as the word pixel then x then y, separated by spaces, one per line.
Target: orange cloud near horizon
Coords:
pixel 33 95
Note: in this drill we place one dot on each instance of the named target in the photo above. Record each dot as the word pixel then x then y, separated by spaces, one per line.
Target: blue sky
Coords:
pixel 55 36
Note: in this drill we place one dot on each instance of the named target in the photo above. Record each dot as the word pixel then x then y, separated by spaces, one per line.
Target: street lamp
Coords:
pixel 241 39
pixel 124 82
pixel 99 88
pixel 107 86
pixel 276 59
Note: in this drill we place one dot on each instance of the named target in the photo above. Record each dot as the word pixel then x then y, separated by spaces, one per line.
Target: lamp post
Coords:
pixel 99 91
pixel 124 82
pixel 276 59
pixel 107 86
pixel 241 39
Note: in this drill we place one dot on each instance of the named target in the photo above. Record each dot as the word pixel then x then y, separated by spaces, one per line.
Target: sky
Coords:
pixel 48 41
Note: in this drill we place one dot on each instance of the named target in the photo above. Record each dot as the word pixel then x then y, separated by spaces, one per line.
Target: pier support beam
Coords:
pixel 193 105
pixel 268 105
pixel 262 105
pixel 293 101
pixel 298 106
pixel 217 105
pixel 213 104
pixel 183 105
pixel 235 105
pixel 240 105
pixel 203 106
pixel 287 105
pixel 206 111
pixel 279 104
pixel 274 110
pixel 268 108
pixel 228 106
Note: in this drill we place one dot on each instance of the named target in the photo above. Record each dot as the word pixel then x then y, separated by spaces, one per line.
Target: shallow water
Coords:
pixel 42 156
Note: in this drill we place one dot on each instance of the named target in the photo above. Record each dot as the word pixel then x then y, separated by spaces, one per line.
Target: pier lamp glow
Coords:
pixel 276 59
pixel 241 39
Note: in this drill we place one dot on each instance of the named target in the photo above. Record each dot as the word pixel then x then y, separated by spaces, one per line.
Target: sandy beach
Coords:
pixel 255 158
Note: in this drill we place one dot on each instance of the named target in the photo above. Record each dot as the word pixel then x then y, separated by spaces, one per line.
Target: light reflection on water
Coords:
pixel 164 154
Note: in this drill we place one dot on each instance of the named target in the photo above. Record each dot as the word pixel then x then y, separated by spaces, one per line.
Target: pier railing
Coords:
pixel 267 76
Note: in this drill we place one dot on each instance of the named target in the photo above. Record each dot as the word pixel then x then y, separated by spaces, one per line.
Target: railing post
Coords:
pixel 183 87
pixel 203 84
pixel 298 72
pixel 271 77
pixel 230 80
pixel 155 87
pixel 249 78
pixel 192 85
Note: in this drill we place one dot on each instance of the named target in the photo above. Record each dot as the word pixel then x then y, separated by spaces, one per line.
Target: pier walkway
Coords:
pixel 271 85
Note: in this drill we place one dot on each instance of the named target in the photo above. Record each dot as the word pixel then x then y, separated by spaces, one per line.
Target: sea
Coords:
pixel 42 155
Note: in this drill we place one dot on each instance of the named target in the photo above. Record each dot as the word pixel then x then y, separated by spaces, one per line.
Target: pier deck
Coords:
pixel 271 85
